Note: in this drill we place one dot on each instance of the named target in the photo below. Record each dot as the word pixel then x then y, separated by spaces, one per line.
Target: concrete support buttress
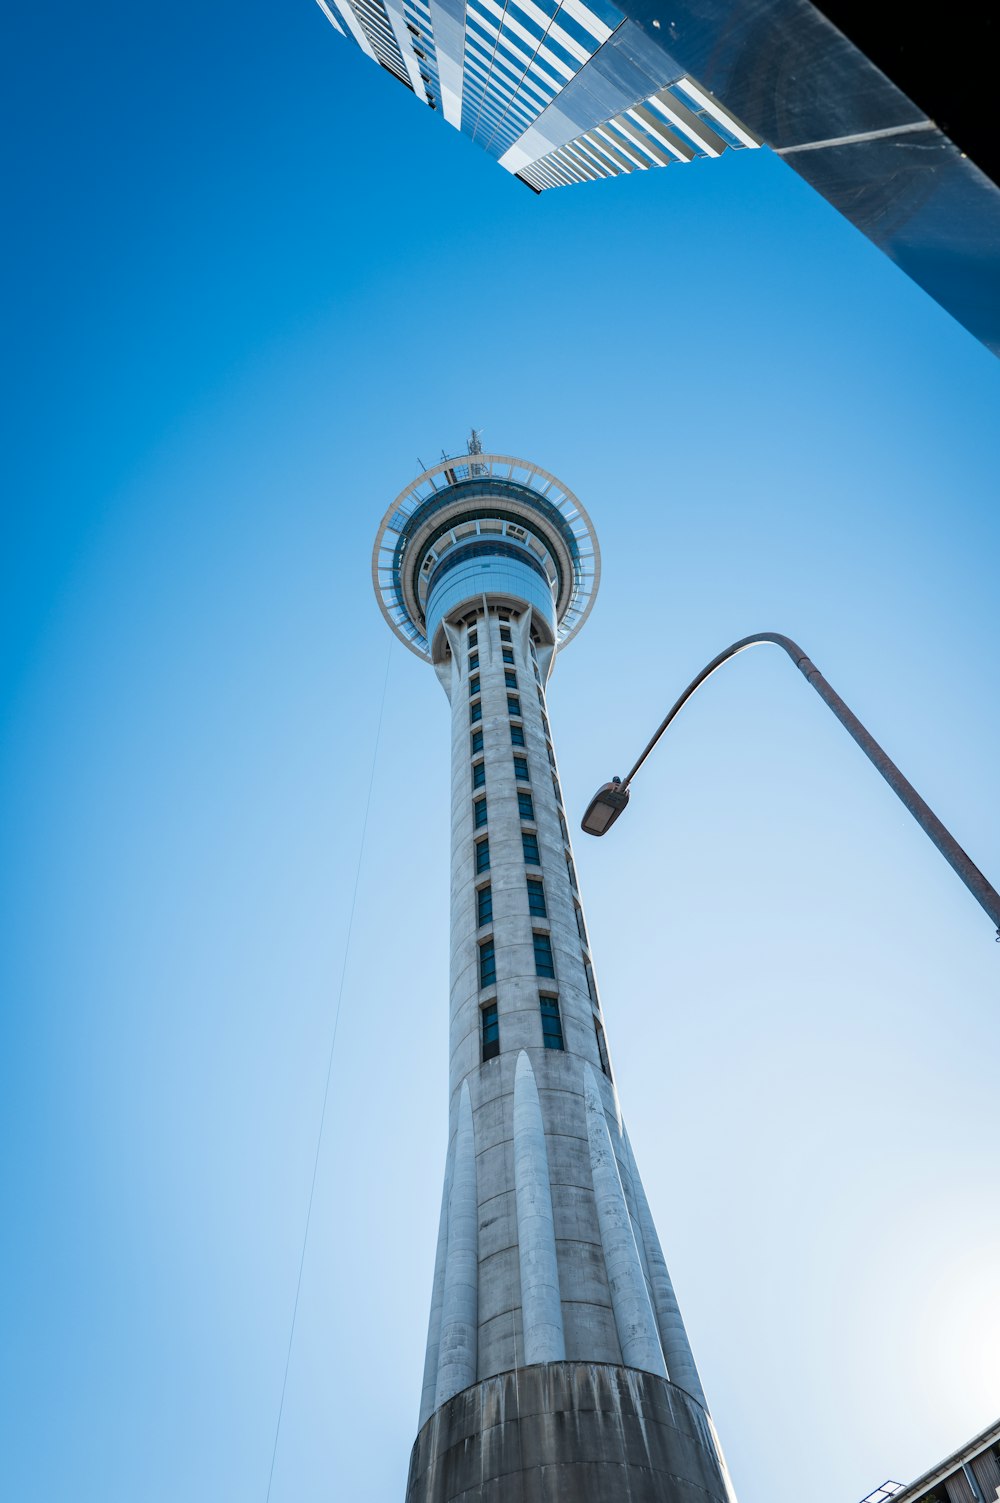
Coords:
pixel 540 1303
pixel 429 1391
pixel 460 1308
pixel 633 1313
pixel 681 1366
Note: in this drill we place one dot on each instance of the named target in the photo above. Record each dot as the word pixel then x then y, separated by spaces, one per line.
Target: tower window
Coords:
pixel 505 633
pixel 529 842
pixel 552 1034
pixel 571 869
pixel 478 774
pixel 473 660
pixel 602 1048
pixel 525 807
pixel 562 826
pixel 555 788
pixel 473 638
pixel 474 684
pixel 521 769
pixel 510 679
pixel 487 963
pixel 543 955
pixel 513 705
pixel 477 742
pixel 516 734
pixel 491 1031
pixel 508 654
pixel 482 855
pixel 581 928
pixel 591 982
pixel 484 905
pixel 475 711
pixel 536 898
pixel 479 813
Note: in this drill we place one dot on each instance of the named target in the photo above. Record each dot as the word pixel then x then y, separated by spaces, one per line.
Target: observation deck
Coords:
pixel 484 524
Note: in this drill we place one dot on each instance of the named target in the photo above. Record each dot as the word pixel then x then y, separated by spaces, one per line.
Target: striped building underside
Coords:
pixel 557 93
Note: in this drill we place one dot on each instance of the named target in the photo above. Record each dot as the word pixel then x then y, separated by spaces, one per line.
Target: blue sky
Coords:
pixel 250 282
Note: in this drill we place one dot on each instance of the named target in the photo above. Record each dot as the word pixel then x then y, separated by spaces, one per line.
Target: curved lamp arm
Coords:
pixel 615 795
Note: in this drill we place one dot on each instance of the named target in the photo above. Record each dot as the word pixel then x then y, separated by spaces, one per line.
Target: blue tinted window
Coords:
pixel 510 679
pixel 478 774
pixel 521 769
pixel 491 1032
pixel 529 841
pixel 483 856
pixel 552 1034
pixel 517 735
pixel 487 963
pixel 484 905
pixel 476 711
pixel 508 654
pixel 477 742
pixel 479 813
pixel 525 807
pixel 543 955
pixel 473 660
pixel 513 705
pixel 474 684
pixel 536 898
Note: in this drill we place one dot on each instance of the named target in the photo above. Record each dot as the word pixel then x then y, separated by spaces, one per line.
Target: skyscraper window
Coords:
pixel 477 742
pixel 543 955
pixel 484 905
pixel 529 842
pixel 521 769
pixel 525 807
pixel 513 705
pixel 552 1034
pixel 482 856
pixel 478 774
pixel 536 898
pixel 491 1031
pixel 479 813
pixel 487 963
pixel 516 734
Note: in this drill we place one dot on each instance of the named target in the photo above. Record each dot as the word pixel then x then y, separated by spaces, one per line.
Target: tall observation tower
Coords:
pixel 557 1366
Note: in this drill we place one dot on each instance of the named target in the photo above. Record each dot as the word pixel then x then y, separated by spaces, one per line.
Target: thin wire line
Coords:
pixel 329 1071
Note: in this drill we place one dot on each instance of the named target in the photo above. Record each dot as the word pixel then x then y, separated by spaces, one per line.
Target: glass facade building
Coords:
pixel 855 100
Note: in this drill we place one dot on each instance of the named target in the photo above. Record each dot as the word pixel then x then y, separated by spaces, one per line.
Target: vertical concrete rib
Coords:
pixel 459 1313
pixel 540 1303
pixel 681 1367
pixel 633 1313
pixel 429 1390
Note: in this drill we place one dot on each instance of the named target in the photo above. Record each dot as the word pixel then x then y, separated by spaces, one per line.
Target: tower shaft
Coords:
pixel 557 1363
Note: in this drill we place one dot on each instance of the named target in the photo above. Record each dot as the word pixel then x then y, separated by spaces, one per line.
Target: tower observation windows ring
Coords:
pixel 516 492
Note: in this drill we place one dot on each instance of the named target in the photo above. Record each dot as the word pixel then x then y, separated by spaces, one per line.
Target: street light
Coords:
pixel 611 798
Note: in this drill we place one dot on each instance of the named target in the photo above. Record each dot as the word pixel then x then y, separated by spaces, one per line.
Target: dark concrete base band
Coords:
pixel 568 1432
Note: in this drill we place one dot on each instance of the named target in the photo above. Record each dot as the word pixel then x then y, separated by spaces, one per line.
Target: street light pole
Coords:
pixel 611 799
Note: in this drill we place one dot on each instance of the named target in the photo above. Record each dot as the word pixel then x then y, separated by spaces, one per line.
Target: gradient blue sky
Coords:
pixel 250 280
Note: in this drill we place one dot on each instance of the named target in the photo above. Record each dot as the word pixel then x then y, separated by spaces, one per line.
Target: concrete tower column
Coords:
pixel 557 1364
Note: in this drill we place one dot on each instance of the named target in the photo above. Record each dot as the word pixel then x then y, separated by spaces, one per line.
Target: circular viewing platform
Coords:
pixel 477 505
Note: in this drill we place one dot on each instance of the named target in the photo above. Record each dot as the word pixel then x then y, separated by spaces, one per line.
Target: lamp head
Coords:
pixel 605 807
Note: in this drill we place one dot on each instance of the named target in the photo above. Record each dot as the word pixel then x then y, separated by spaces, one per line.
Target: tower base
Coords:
pixel 569 1432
